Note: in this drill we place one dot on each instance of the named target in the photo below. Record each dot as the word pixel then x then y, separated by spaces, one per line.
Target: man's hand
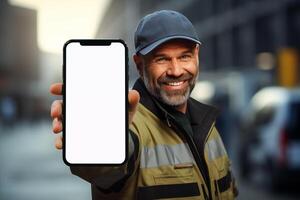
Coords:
pixel 56 113
pixel 56 110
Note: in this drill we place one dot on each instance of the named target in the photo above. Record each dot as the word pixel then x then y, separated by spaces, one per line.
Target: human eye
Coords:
pixel 185 57
pixel 161 59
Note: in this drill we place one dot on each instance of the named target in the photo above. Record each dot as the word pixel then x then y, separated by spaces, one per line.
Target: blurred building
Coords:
pixel 18 60
pixel 247 45
pixel 234 32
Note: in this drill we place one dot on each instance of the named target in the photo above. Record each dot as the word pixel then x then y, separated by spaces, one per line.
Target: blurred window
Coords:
pixel 293 127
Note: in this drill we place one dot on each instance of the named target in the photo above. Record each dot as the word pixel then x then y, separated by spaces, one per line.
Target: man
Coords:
pixel 175 150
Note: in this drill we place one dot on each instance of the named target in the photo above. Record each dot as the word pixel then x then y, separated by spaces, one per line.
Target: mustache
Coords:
pixel 170 79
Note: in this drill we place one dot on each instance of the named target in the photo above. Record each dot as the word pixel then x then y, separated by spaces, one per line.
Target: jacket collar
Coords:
pixel 201 116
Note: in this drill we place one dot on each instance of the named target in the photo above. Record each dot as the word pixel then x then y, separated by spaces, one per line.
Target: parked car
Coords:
pixel 270 145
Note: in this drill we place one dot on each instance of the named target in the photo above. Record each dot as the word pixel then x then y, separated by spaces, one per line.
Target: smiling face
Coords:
pixel 170 71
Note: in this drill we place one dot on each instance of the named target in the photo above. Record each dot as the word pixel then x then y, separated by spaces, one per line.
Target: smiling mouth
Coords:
pixel 175 83
pixel 171 83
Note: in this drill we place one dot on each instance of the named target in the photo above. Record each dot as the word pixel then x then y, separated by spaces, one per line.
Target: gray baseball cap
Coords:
pixel 162 26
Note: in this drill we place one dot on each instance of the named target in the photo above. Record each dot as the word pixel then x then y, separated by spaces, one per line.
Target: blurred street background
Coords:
pixel 250 70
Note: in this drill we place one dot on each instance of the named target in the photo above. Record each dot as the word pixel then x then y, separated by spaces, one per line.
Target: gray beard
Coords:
pixel 175 98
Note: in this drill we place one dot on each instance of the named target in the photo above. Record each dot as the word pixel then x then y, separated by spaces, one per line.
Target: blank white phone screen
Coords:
pixel 95 103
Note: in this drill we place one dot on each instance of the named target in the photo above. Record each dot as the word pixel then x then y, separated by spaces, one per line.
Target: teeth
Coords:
pixel 175 83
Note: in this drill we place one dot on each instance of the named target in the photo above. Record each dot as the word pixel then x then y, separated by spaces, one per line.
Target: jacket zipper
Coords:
pixel 201 168
pixel 197 157
pixel 194 151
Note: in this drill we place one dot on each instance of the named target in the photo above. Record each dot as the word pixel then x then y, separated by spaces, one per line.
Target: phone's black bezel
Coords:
pixel 95 42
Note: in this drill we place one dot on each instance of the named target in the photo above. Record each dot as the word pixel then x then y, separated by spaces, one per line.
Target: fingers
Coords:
pixel 56 114
pixel 133 100
pixel 56 109
pixel 57 126
pixel 56 88
pixel 58 142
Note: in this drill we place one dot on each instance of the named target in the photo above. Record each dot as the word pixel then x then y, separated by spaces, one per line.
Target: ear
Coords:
pixel 139 64
pixel 196 52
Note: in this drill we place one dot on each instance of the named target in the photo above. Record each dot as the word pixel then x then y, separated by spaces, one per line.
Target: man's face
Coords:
pixel 171 70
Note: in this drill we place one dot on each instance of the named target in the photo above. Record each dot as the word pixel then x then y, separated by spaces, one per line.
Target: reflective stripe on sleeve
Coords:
pixel 165 155
pixel 215 149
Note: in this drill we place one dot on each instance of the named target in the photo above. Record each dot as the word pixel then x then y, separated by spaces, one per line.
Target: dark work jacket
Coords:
pixel 193 127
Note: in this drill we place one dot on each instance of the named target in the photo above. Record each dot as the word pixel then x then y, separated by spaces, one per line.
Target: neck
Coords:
pixel 181 108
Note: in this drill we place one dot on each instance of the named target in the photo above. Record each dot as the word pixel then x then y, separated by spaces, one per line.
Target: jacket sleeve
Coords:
pixel 108 178
pixel 218 156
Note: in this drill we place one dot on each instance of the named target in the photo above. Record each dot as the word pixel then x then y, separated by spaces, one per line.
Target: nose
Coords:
pixel 175 69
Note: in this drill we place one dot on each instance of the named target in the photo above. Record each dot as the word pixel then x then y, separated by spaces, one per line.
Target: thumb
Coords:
pixel 133 100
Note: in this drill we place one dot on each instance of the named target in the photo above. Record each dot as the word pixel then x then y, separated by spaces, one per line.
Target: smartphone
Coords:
pixel 95 89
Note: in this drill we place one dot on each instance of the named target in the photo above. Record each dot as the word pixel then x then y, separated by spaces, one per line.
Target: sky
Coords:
pixel 61 20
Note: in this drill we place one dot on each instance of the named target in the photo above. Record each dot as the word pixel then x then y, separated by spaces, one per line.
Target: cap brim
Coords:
pixel 152 46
